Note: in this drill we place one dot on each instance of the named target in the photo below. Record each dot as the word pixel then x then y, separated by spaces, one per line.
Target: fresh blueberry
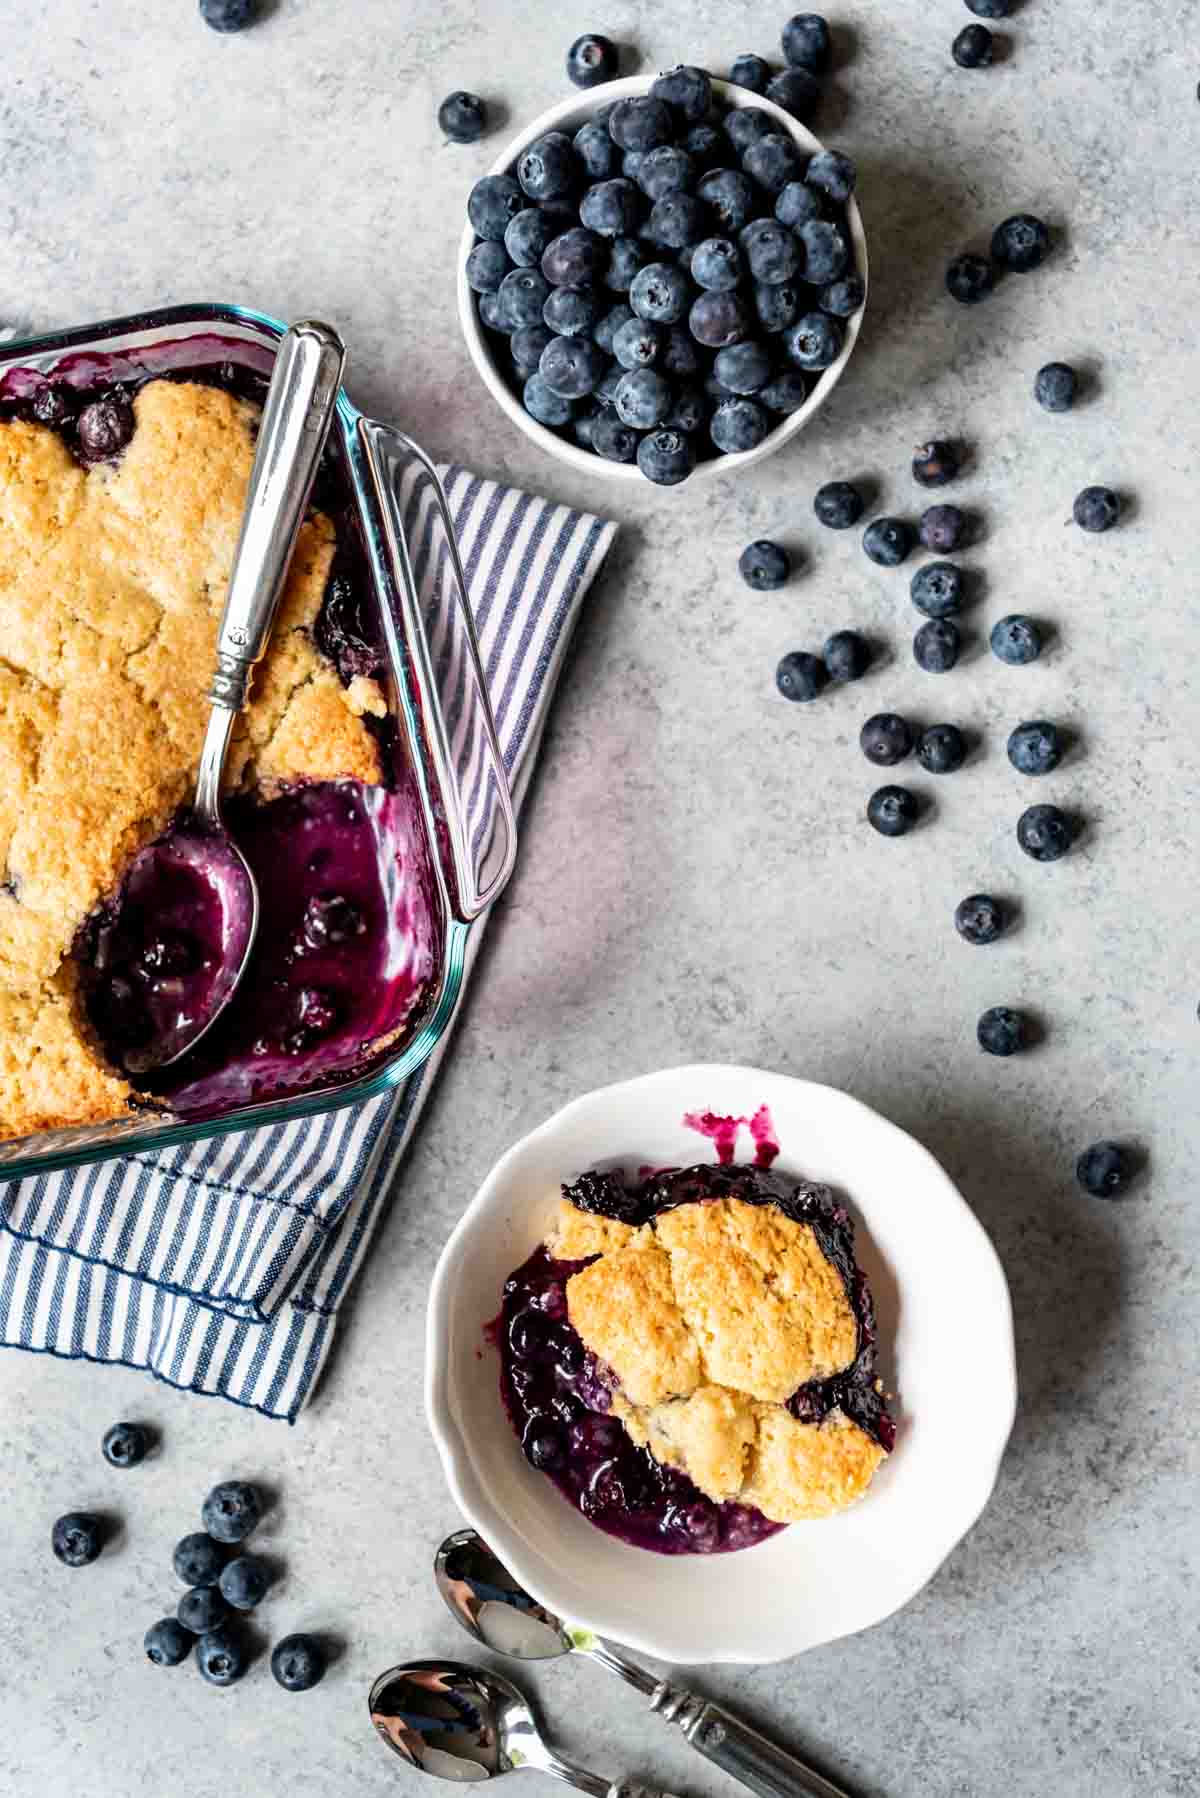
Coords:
pixel 643 399
pixel 606 392
pixel 244 1582
pixel 627 257
pixel 845 297
pixel 796 204
pixel 797 92
pixel 574 257
pixel 1020 243
pixel 888 541
pixel 570 311
pixel 462 117
pixel 786 393
pixel 221 1657
pixel 690 411
pixel 800 675
pixel 596 151
pixel 493 315
pixel 606 327
pixel 1015 640
pixel 198 1560
pixel 942 749
pixel 885 739
pixel 526 346
pixel 764 565
pixel 527 235
pixel 1097 509
pixel 666 457
pixel 572 366
pixel 806 42
pixel 718 319
pixel 522 297
pixel 777 304
pixel 1105 1169
pixel 745 123
pixel 970 279
pixel 814 341
pixel 637 343
pixel 591 60
pixel 583 427
pixel 990 9
pixel 487 266
pixel 631 163
pixel 77 1538
pixel 298 1662
pixel 729 196
pixel 167 1642
pixel 544 405
pixel 679 356
pixel 773 161
pixel 943 529
pixel 124 1445
pixel 1001 1031
pixel 937 589
pixel 771 250
pixel 667 170
pixel 743 367
pixel 547 169
pixel 751 72
pixel 1035 747
pixel 678 219
pixel 833 175
pixel 494 202
pixel 716 264
pixel 973 47
pixel 615 441
pixel 826 252
pixel 705 145
pixel 935 464
pixel 979 918
pixel 105 427
pixel 892 811
pixel 1044 832
pixel 611 208
pixel 1054 387
pixel 738 425
pixel 229 15
pixel 202 1609
pixel 641 123
pixel 936 646
pixel 659 293
pixel 687 89
pixel 846 656
pixel 838 504
pixel 231 1510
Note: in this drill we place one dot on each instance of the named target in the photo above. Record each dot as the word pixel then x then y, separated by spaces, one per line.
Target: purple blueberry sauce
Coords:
pixel 723 1134
pixel 558 1395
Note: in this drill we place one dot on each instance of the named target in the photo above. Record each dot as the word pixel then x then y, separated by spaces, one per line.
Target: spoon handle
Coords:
pixel 739 1750
pixel 295 423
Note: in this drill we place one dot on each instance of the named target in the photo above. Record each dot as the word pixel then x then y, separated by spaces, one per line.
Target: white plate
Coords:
pixel 946 1349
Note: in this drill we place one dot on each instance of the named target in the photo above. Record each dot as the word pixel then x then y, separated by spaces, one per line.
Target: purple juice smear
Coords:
pixel 723 1132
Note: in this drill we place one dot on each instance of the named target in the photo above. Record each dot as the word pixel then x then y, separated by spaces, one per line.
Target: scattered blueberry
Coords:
pixel 826 251
pixel 487 266
pixel 231 1510
pixel 202 1609
pixel 888 541
pixel 800 675
pixel 1097 509
pixel 575 257
pixel 666 457
pixel 1105 1169
pixel 1035 747
pixel 1015 640
pixel 838 504
pixel 1055 386
pixel 494 202
pixel 462 117
pixel 221 1657
pixel 942 749
pixel 1001 1031
pixel 814 341
pixel 832 174
pixel 970 279
pixel 979 918
pixel 124 1445
pixel 228 15
pixel 795 204
pixel 738 425
pixel 892 811
pixel 989 9
pixel 751 72
pixel 636 343
pixel 570 311
pixel 660 293
pixel 167 1643
pixel 198 1560
pixel 718 319
pixel 729 196
pixel 937 589
pixel 298 1662
pixel 885 739
pixel 806 42
pixel 743 367
pixel 615 441
pixel 797 92
pixel 572 367
pixel 641 123
pixel 935 464
pixel 1044 832
pixel 643 398
pixel 845 297
pixel 105 427
pixel 973 47
pixel 846 656
pixel 591 60
pixel 667 170
pixel 596 150
pixel 764 565
pixel 786 393
pixel 77 1538
pixel 244 1582
pixel 936 646
pixel 943 529
pixel 687 89
pixel 1021 242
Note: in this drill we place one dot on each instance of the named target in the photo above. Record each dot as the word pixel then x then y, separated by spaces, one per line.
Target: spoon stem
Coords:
pixel 608 1655
pixel 569 1772
pixel 212 763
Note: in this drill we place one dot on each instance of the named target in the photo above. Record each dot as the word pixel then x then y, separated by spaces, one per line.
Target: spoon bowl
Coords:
pixel 454 1721
pixel 487 1601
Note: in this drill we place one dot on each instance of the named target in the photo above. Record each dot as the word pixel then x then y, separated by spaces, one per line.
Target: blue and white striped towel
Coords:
pixel 219 1266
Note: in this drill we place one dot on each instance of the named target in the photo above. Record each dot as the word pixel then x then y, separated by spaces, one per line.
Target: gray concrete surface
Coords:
pixel 697 879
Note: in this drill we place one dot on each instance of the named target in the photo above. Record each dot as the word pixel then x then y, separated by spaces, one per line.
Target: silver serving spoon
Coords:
pixel 459 1722
pixel 297 414
pixel 490 1605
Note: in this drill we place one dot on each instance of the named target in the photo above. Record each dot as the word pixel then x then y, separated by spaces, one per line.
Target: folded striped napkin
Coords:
pixel 220 1266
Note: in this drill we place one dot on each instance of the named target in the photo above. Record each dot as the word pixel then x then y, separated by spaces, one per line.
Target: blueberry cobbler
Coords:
pixel 692 1360
pixel 120 507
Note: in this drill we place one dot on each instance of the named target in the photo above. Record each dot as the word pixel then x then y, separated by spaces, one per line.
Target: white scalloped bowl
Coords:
pixel 569 115
pixel 946 1342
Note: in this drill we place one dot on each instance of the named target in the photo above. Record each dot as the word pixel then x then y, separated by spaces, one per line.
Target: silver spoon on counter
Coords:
pixel 459 1722
pixel 490 1605
pixel 199 857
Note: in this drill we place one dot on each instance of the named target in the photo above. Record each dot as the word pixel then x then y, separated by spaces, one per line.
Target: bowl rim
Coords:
pixel 466 1481
pixel 575 109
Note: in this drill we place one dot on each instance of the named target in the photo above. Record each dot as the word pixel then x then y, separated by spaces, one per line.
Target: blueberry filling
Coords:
pixel 558 1395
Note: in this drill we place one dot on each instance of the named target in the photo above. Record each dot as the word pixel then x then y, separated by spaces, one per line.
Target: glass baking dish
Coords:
pixel 436 691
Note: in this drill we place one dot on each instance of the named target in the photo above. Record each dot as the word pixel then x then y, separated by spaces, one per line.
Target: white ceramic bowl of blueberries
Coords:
pixel 945 1352
pixel 722 269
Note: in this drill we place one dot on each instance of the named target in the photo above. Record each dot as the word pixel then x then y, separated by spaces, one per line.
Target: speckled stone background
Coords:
pixel 697 879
